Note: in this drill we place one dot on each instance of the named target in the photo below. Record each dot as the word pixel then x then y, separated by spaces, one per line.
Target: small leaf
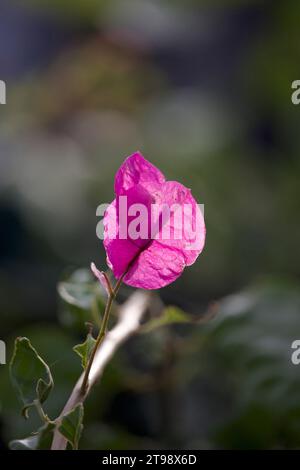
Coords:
pixel 80 295
pixel 45 435
pixel 80 290
pixel 85 349
pixel 83 299
pixel 30 375
pixel 71 425
pixel 42 440
pixel 169 315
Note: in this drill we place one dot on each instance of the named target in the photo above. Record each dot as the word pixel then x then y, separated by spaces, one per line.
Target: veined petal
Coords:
pixel 158 257
pixel 184 230
pixel 155 267
pixel 119 252
pixel 137 170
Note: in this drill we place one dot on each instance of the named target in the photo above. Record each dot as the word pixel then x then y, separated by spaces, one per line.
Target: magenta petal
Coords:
pixel 139 200
pixel 151 263
pixel 137 170
pixel 189 238
pixel 119 252
pixel 156 267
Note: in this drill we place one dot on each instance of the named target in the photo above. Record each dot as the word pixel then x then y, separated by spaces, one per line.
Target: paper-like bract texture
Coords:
pixel 151 262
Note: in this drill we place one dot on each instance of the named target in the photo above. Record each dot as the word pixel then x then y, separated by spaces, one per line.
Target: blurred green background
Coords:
pixel 203 89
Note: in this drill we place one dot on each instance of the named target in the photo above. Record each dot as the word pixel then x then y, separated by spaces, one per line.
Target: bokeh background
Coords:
pixel 203 89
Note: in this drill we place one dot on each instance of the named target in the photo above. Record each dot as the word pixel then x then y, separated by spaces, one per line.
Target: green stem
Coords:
pixel 101 334
pixel 40 411
pixel 95 314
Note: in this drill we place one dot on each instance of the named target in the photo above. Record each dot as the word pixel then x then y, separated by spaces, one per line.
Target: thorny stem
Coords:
pixel 101 334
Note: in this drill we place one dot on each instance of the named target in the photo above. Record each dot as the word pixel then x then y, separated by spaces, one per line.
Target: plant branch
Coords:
pixel 131 313
pixel 112 295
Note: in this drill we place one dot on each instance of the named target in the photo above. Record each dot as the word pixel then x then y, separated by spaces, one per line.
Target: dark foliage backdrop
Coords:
pixel 203 89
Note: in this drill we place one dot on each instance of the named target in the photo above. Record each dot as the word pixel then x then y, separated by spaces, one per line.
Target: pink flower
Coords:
pixel 167 243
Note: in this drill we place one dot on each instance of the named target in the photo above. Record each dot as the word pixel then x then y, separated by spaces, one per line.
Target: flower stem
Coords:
pixel 101 334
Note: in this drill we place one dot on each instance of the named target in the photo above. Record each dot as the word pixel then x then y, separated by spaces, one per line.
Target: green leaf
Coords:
pixel 76 294
pixel 45 436
pixel 81 290
pixel 40 441
pixel 85 349
pixel 71 425
pixel 169 315
pixel 30 375
pixel 83 298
